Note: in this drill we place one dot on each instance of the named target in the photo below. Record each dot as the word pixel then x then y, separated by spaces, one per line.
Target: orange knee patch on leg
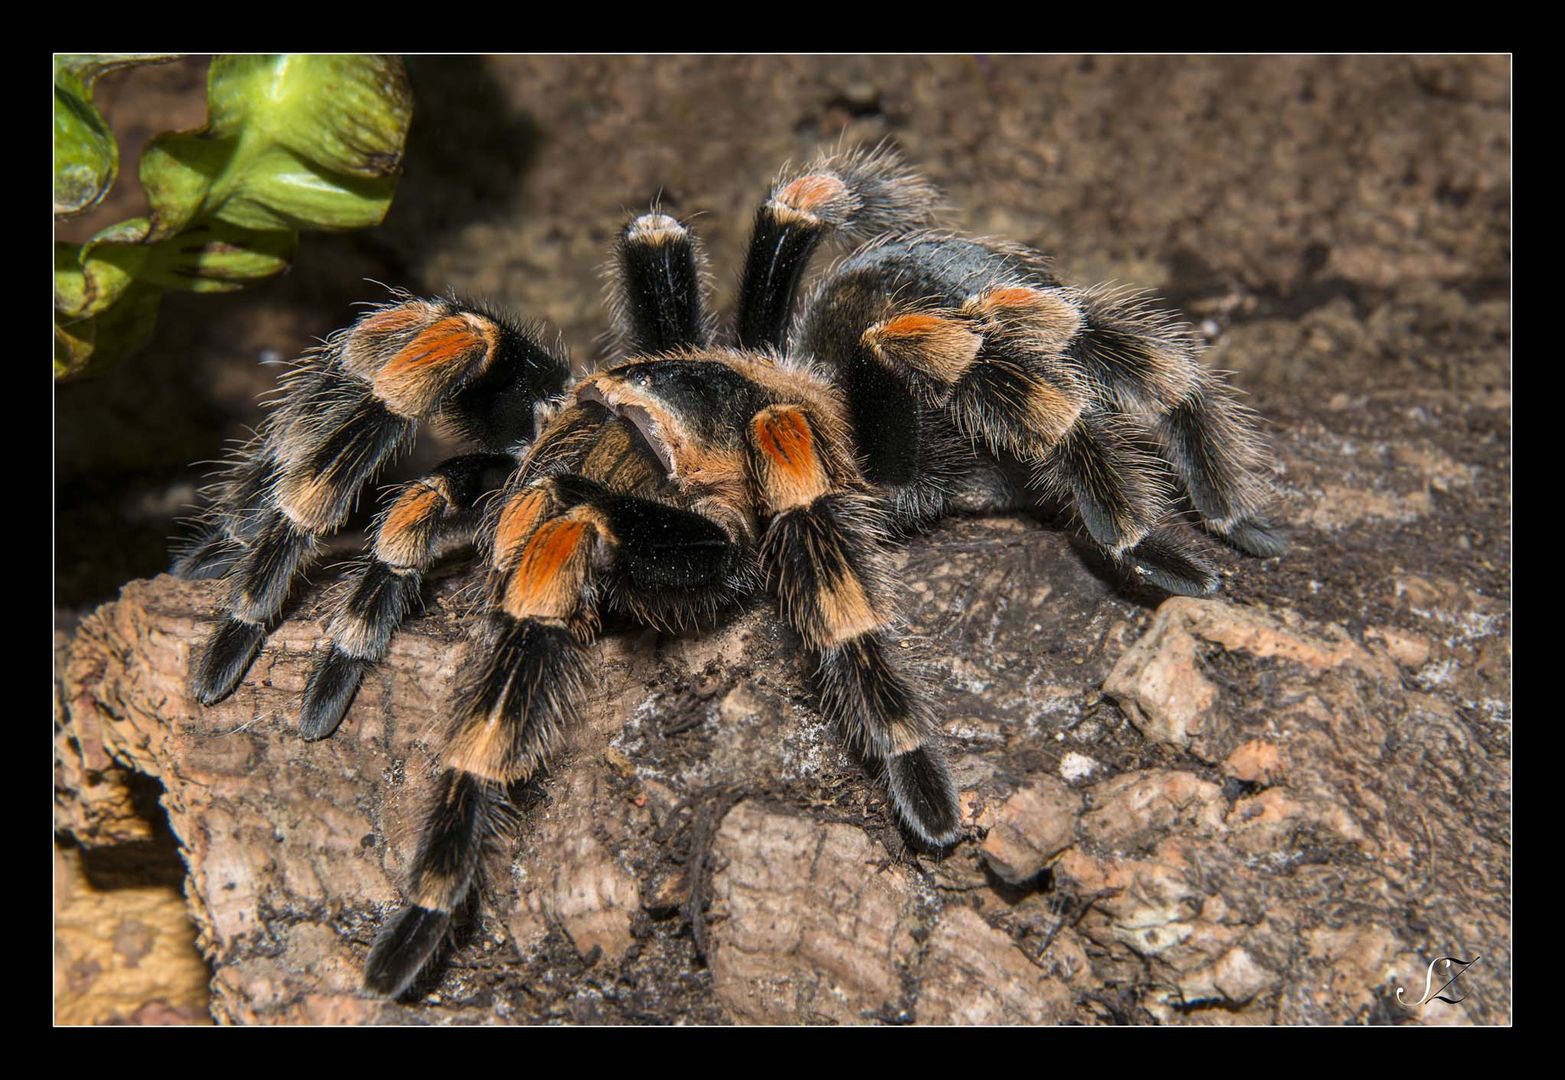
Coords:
pixel 791 471
pixel 930 345
pixel 376 338
pixel 413 381
pixel 807 196
pixel 1043 314
pixel 405 535
pixel 1011 296
pixel 518 518
pixel 547 578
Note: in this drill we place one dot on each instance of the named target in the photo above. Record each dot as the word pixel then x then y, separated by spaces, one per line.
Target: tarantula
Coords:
pixel 925 372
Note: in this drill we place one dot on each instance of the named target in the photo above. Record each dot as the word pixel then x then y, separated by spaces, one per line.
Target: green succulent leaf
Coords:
pixel 86 157
pixel 218 257
pixel 291 142
pixel 85 344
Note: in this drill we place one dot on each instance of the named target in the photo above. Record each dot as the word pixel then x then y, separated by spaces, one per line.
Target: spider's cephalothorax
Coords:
pixel 925 372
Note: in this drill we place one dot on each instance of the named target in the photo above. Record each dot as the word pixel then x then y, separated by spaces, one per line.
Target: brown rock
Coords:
pixel 1409 650
pixel 1158 681
pixel 1032 826
pixel 580 885
pixel 1255 762
pixel 812 922
pixel 973 974
pixel 123 955
pixel 1137 809
pixel 979 812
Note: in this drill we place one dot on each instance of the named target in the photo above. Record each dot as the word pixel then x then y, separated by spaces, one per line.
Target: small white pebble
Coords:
pixel 1074 766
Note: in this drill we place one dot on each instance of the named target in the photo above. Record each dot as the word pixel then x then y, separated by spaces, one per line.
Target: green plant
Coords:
pixel 291 142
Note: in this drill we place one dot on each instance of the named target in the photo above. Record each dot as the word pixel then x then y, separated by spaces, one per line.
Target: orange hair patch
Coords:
pixel 791 472
pixel 1046 316
pixel 413 508
pixel 547 579
pixel 403 538
pixel 808 193
pixel 1013 297
pixel 413 381
pixel 518 518
pixel 446 343
pixel 942 349
pixel 910 326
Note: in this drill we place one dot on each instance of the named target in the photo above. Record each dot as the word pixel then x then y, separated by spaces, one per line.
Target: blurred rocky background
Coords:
pixel 1276 805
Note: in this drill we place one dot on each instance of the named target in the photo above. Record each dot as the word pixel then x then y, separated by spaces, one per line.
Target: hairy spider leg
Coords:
pixel 347 409
pixel 1145 359
pixel 550 543
pixel 659 283
pixel 231 516
pixel 824 553
pixel 316 476
pixel 384 584
pixel 854 195
pixel 908 448
pixel 1081 383
pixel 996 368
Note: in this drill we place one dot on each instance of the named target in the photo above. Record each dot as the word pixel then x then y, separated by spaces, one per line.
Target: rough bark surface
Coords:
pixel 1278 804
pixel 1241 809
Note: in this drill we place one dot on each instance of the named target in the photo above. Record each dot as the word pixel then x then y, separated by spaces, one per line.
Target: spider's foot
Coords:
pixel 330 691
pixel 925 797
pixel 229 652
pixel 1168 563
pixel 402 949
pixel 1258 537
